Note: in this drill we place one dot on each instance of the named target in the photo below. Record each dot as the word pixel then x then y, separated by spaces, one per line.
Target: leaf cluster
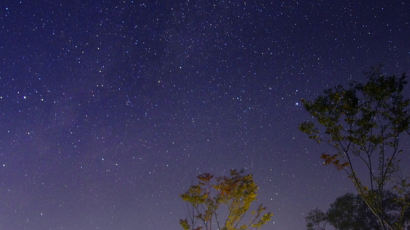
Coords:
pixel 349 212
pixel 235 192
pixel 363 123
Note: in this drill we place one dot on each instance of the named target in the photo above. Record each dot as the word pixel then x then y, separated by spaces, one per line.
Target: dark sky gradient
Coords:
pixel 109 109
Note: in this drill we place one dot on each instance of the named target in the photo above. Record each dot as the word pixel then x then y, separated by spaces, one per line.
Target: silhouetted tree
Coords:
pixel 364 123
pixel 222 203
pixel 349 212
pixel 316 220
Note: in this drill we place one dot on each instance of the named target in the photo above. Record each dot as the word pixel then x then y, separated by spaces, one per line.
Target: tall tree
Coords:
pixel 222 203
pixel 364 124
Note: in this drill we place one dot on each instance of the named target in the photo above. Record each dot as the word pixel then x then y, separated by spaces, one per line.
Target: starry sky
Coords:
pixel 109 109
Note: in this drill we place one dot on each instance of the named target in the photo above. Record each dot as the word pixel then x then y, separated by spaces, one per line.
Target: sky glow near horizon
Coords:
pixel 109 109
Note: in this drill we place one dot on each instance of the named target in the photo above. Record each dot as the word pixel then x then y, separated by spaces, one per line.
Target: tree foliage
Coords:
pixel 230 197
pixel 364 123
pixel 349 212
pixel 316 220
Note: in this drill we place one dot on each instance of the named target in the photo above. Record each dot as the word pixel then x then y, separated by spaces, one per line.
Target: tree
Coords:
pixel 230 197
pixel 349 212
pixel 316 220
pixel 364 123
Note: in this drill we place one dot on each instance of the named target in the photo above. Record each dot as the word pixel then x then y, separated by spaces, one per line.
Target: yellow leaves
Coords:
pixel 195 195
pixel 263 220
pixel 205 177
pixel 184 224
pixel 237 192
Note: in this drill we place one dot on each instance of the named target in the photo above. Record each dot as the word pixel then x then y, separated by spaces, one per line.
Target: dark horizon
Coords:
pixel 109 109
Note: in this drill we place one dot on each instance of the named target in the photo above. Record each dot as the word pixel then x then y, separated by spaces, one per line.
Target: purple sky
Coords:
pixel 109 109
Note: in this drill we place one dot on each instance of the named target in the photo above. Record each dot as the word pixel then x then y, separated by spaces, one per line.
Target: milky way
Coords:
pixel 108 109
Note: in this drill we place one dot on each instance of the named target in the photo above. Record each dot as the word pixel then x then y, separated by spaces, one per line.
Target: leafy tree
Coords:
pixel 349 212
pixel 364 123
pixel 212 197
pixel 316 220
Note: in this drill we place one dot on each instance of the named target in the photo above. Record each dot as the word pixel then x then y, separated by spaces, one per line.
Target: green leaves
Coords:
pixel 309 128
pixel 363 123
pixel 362 117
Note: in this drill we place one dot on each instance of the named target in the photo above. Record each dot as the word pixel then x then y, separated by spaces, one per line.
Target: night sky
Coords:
pixel 109 109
